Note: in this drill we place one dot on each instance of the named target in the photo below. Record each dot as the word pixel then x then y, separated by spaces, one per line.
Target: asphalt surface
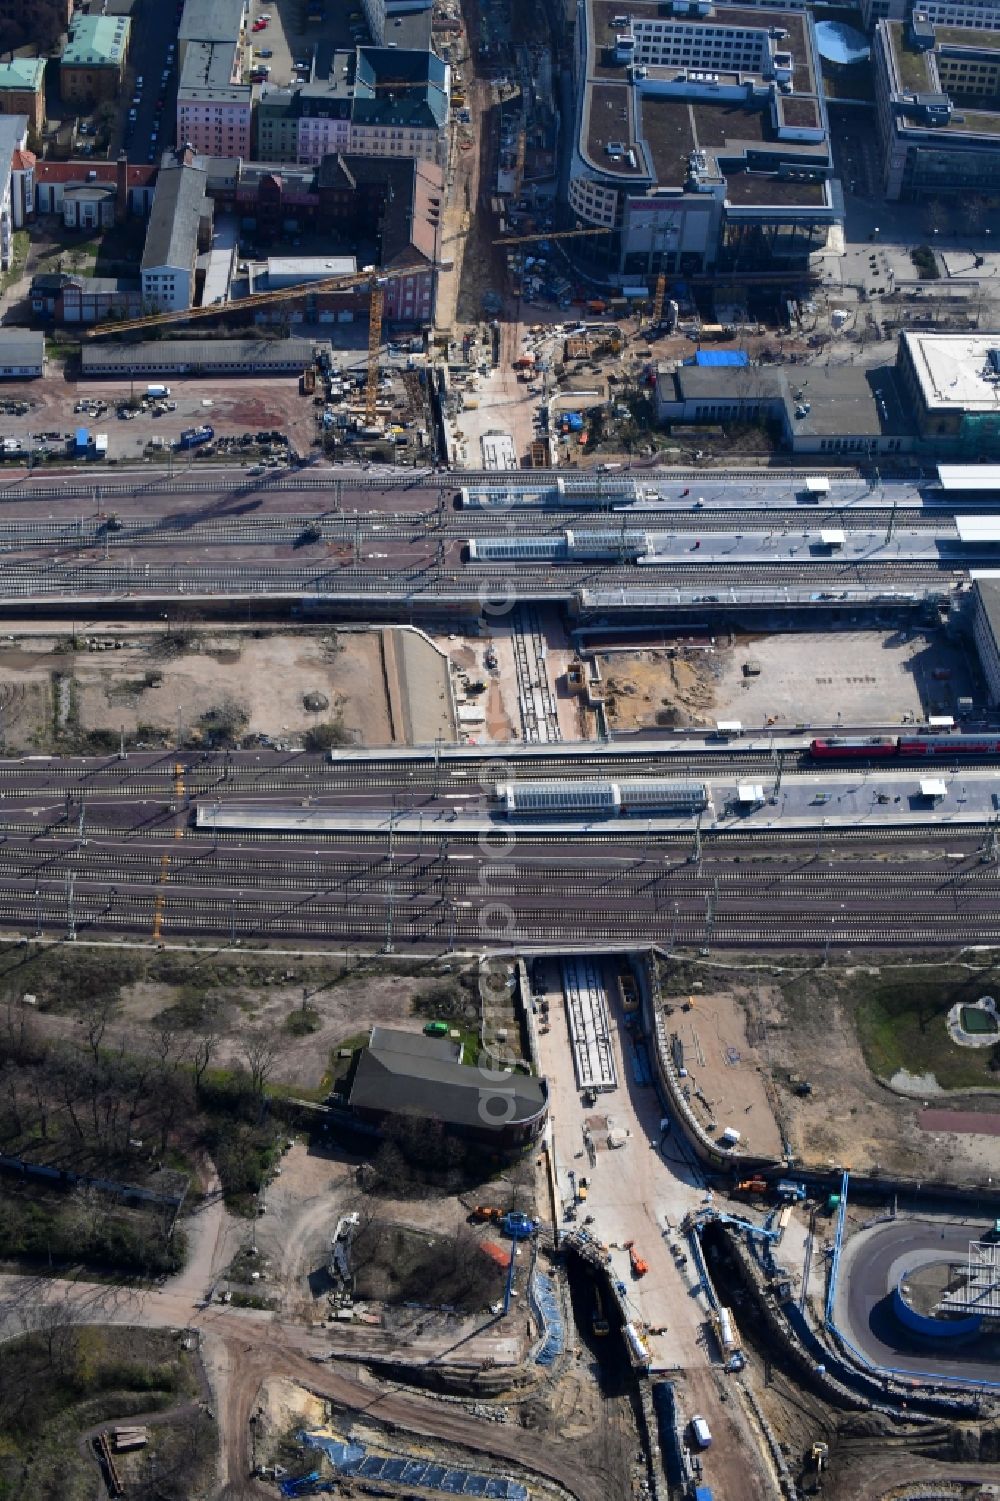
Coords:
pixel 148 61
pixel 870 1267
pixel 111 847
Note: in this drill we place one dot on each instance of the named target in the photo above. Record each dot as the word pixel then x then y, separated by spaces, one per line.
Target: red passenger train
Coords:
pixel 915 747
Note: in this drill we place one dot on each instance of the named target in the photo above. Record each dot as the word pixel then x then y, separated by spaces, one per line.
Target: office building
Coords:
pixel 937 98
pixel 701 140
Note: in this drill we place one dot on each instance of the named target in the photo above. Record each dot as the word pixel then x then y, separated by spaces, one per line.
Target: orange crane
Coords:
pixel 374 280
pixel 639 1266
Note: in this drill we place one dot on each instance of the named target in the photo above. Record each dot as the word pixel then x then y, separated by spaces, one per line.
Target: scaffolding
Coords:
pixel 980 1290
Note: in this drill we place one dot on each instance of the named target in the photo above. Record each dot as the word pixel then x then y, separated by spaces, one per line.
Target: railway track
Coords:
pixel 420 875
pixel 97 532
pixel 431 892
pixel 424 578
pixel 443 921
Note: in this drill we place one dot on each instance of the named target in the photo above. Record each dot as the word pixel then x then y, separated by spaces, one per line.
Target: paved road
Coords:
pixel 871 1265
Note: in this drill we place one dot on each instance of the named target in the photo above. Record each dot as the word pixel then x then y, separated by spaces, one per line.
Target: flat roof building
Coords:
pixel 953 381
pixel 214 108
pixel 210 21
pixel 937 100
pixel 374 101
pixel 701 139
pixel 986 633
pixel 295 270
pixel 210 356
pixel 838 410
pixel 942 396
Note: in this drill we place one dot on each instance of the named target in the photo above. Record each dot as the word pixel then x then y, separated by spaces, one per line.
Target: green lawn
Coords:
pixel 19 256
pixel 900 1017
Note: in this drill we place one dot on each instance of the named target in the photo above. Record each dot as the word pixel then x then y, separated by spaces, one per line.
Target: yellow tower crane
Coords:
pixel 374 280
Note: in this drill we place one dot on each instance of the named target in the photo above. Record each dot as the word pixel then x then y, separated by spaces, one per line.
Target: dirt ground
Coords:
pixel 231 406
pixel 500 701
pixel 802 1028
pixel 384 685
pixel 727 1078
pixel 871 676
pixel 344 1008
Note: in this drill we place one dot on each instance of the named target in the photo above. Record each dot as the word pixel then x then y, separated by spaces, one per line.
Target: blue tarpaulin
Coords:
pixel 721 357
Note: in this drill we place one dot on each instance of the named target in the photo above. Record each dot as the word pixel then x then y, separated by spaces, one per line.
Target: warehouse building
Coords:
pixel 834 410
pixel 22 354
pixel 179 225
pixel 402 1074
pixel 200 357
pixel 941 397
pixel 986 634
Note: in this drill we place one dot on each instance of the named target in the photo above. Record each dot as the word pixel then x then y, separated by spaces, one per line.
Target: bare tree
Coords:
pixel 260 1050
pixel 205 1048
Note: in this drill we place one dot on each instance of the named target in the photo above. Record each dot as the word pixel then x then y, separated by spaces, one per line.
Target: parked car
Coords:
pixel 264 52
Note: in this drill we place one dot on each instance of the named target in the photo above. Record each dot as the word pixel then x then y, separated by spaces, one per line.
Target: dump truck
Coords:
pixel 307 381
pixel 752 1186
pixel 485 1213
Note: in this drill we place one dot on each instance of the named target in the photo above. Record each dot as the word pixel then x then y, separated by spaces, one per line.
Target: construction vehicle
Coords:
pixel 307 381
pixel 753 1186
pixel 486 1214
pixel 820 1455
pixel 519 1226
pixel 791 1192
pixel 727 1335
pixel 599 1321
pixel 639 1266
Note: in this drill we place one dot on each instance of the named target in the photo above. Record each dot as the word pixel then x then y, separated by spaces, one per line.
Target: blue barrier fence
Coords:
pixel 896 1373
